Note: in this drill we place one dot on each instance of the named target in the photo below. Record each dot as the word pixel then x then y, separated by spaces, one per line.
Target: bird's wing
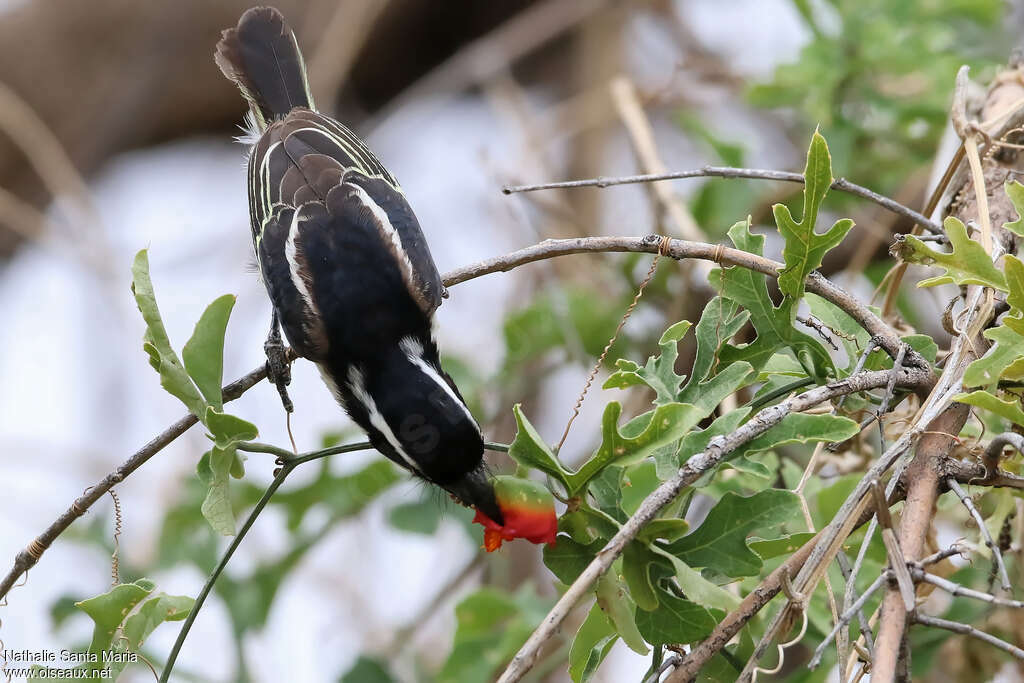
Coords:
pixel 302 158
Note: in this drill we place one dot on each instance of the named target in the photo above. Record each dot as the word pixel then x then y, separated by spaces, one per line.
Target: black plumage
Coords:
pixel 347 268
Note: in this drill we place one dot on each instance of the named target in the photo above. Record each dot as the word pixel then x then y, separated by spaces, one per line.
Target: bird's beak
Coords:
pixel 476 490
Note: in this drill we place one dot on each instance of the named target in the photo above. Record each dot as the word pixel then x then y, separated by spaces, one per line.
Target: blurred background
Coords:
pixel 117 135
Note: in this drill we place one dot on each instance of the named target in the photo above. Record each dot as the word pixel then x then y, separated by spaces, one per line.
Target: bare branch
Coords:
pixel 964 629
pixel 715 453
pixel 957 590
pixel 846 616
pixel 914 524
pixel 994 452
pixel 997 555
pixel 839 184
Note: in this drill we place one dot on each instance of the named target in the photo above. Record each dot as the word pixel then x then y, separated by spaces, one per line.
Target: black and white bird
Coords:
pixel 347 268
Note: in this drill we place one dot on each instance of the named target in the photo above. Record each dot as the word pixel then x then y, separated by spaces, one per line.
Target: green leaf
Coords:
pixel 804 428
pixel 641 570
pixel 720 542
pixel 214 469
pixel 203 353
pixel 1008 349
pixel 162 357
pixel 125 616
pixel 616 603
pixel 659 372
pixel 227 429
pixel 966 264
pixel 1006 408
pixel 663 529
pixel 696 587
pixel 591 645
pixel 1015 193
pixel 776 547
pixel 675 621
pixel 719 322
pixel 637 440
pixel 367 670
pixel 804 248
pixel 567 559
pixel 529 448
pixel 774 326
pixel 1014 269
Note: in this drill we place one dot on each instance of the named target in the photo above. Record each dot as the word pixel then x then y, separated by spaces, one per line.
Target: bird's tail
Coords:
pixel 262 57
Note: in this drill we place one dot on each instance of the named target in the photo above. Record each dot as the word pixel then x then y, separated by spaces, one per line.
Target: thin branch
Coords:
pixel 964 629
pixel 715 453
pixel 994 451
pixel 208 586
pixel 839 184
pixel 997 555
pixel 846 616
pixel 957 590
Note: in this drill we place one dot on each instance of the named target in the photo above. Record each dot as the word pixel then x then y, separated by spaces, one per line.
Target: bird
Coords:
pixel 348 269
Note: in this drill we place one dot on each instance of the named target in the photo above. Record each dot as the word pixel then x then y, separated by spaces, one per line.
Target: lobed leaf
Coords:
pixel 804 248
pixel 720 542
pixel 966 264
pixel 529 448
pixel 774 325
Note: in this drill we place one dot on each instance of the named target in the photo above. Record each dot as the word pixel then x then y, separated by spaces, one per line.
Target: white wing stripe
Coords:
pixel 355 384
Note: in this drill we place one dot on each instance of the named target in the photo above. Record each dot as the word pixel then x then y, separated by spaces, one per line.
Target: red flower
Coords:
pixel 528 509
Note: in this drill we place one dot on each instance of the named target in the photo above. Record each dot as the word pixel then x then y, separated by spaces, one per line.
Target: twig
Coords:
pixel 994 451
pixel 286 469
pixel 964 629
pixel 665 666
pixel 846 616
pixel 820 328
pixel 939 556
pixel 997 555
pixel 839 184
pixel 957 590
pixel 714 454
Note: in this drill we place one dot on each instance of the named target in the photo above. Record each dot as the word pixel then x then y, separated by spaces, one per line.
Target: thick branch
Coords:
pixel 716 452
pixel 840 184
pixel 924 476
